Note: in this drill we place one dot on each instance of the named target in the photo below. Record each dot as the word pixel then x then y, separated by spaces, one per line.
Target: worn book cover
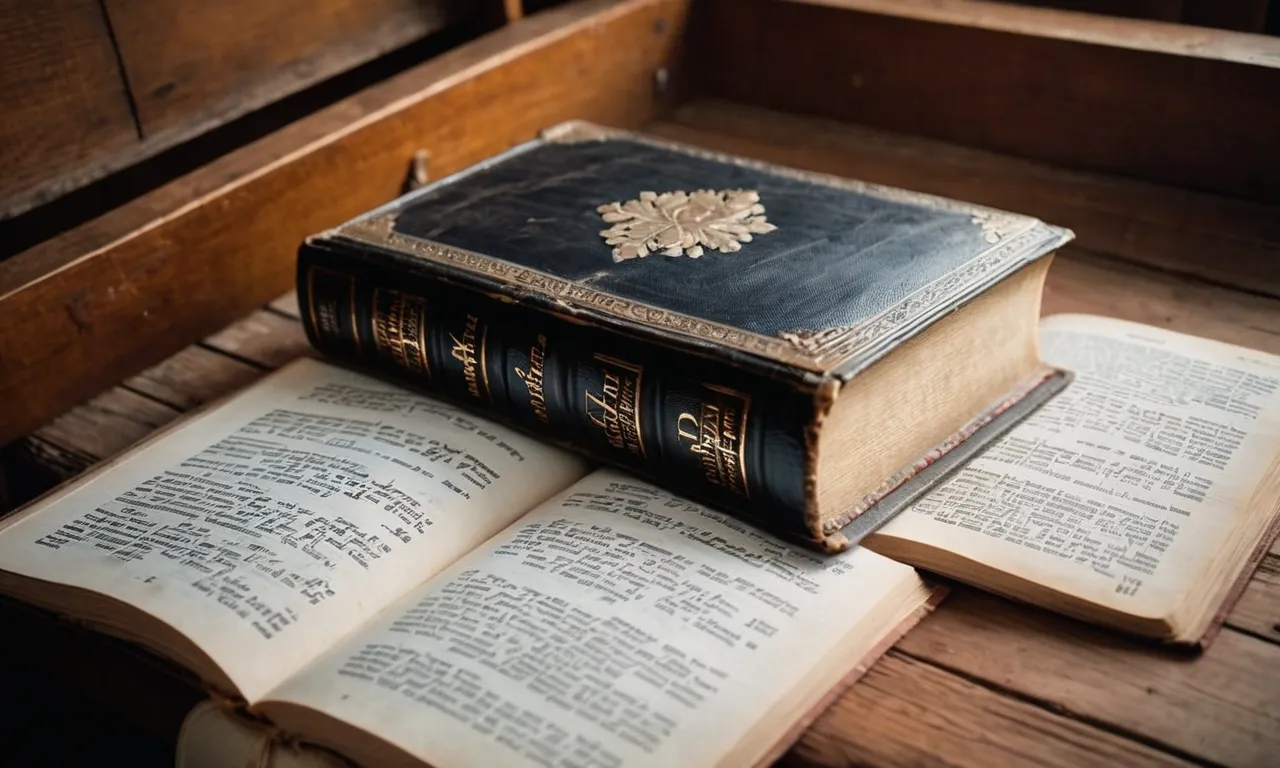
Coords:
pixel 707 320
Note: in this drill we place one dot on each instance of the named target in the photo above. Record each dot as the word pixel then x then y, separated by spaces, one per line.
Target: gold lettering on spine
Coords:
pixel 532 379
pixel 400 330
pixel 484 368
pixel 324 310
pixel 464 351
pixel 355 321
pixel 616 408
pixel 717 436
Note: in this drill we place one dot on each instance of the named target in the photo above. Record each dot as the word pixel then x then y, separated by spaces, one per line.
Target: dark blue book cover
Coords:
pixel 693 316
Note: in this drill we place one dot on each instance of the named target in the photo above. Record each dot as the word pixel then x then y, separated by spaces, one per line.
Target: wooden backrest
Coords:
pixel 91 86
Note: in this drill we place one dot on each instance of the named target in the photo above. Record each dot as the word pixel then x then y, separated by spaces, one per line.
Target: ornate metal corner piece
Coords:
pixel 682 224
pixel 814 342
pixel 997 225
pixel 578 131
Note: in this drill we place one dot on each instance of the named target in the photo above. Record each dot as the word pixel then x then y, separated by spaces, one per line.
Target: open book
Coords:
pixel 1140 498
pixel 404 583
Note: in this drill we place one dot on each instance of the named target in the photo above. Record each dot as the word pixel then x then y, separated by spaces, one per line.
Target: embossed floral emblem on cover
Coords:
pixel 683 224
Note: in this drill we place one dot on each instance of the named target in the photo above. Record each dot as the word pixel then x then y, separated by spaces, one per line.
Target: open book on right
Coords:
pixel 1140 498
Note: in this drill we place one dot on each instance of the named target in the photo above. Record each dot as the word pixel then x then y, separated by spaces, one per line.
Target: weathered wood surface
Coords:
pixel 981 682
pixel 65 103
pixel 1258 610
pixel 87 308
pixel 1188 106
pixel 906 711
pixel 190 65
pixel 1222 707
pixel 93 87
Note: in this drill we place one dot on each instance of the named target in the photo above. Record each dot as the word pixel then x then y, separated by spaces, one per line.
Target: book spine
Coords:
pixel 697 426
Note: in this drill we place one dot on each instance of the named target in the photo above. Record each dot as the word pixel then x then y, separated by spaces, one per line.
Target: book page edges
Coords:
pixel 935 466
pixel 938 593
pixel 274 748
pixel 1238 586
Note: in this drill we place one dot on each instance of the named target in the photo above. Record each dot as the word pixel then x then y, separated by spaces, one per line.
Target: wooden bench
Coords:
pixel 1159 145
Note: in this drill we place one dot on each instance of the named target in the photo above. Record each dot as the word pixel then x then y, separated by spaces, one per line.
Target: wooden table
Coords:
pixel 981 682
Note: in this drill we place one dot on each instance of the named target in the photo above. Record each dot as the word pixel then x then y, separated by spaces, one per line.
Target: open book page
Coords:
pixel 1119 489
pixel 614 625
pixel 269 527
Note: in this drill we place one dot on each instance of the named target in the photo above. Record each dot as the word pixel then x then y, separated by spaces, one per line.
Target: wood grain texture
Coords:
pixel 1258 610
pixel 264 338
pixel 1226 240
pixel 907 712
pixel 123 292
pixel 953 70
pixel 65 103
pixel 192 377
pixel 287 305
pixel 1092 29
pixel 107 424
pixel 1222 707
pixel 1085 283
pixel 192 65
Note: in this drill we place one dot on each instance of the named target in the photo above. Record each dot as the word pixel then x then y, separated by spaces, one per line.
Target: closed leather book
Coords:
pixel 806 351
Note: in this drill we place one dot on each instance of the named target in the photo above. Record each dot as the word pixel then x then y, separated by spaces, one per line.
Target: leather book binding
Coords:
pixel 687 315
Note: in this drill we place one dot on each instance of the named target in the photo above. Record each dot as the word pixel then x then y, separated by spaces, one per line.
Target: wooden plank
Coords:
pixel 1085 283
pixel 1222 707
pixel 905 712
pixel 1241 15
pixel 1230 241
pixel 123 415
pixel 64 447
pixel 263 338
pixel 1258 610
pixel 65 101
pixel 86 309
pixel 194 65
pixel 1019 19
pixel 192 377
pixel 107 424
pixel 1185 106
pixel 287 304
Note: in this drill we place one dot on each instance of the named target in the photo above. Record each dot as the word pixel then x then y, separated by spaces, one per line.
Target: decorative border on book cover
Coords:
pixel 995 223
pixel 821 350
pixel 1015 241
